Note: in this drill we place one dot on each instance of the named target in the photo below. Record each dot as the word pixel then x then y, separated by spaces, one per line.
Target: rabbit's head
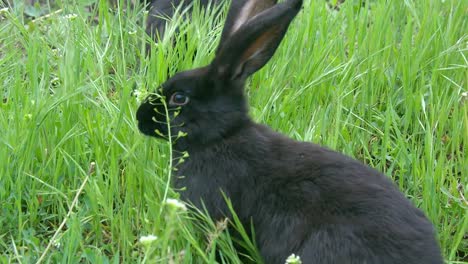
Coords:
pixel 208 103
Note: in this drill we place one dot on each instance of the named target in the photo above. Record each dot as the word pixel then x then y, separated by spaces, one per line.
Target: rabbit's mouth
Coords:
pixel 149 118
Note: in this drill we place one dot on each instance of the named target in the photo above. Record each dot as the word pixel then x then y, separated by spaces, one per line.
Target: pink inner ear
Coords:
pixel 252 57
pixel 244 15
pixel 260 44
pixel 250 9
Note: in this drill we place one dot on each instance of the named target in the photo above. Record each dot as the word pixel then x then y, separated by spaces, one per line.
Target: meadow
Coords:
pixel 385 82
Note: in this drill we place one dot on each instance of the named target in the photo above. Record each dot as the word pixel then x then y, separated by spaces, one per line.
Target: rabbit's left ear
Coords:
pixel 251 46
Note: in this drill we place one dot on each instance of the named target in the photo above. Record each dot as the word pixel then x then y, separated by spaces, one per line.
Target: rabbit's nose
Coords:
pixel 144 116
pixel 140 114
pixel 150 115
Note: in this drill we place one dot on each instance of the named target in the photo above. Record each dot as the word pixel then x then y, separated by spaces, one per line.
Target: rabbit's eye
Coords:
pixel 178 98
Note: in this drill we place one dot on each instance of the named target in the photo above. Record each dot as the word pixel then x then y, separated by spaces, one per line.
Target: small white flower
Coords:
pixel 57 243
pixel 464 97
pixel 174 203
pixel 140 95
pixel 293 259
pixel 146 240
pixel 71 16
pixel 4 10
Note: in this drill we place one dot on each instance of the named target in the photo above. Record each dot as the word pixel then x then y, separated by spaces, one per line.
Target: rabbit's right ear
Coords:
pixel 251 46
pixel 240 11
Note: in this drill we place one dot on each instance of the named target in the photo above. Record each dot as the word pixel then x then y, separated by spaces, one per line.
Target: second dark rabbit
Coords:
pixel 160 11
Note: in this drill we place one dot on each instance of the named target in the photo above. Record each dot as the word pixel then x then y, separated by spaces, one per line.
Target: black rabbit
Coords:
pixel 301 198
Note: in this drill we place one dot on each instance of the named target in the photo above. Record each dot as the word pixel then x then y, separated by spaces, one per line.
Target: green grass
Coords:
pixel 385 83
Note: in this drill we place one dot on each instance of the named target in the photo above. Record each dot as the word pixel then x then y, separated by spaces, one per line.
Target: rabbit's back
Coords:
pixel 308 200
pixel 333 209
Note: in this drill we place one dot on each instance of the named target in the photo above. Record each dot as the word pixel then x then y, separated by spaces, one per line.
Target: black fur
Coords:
pixel 301 198
pixel 162 10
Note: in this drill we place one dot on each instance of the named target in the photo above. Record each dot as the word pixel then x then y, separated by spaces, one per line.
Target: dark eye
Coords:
pixel 178 98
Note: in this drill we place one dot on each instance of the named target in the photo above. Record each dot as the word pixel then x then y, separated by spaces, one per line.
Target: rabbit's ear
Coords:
pixel 251 46
pixel 240 11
